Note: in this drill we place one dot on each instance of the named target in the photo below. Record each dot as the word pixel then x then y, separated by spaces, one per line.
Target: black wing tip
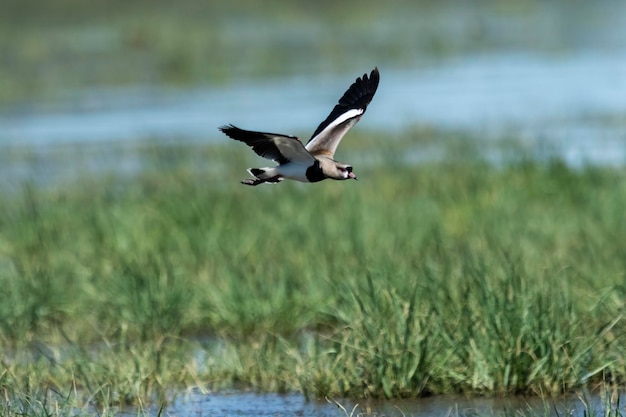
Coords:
pixel 374 77
pixel 357 96
pixel 227 128
pixel 370 83
pixel 234 132
pixel 362 91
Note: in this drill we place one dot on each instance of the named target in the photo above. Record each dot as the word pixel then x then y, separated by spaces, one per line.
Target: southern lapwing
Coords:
pixel 313 162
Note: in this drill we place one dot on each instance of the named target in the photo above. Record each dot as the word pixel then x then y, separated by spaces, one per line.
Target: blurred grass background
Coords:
pixel 50 48
pixel 445 277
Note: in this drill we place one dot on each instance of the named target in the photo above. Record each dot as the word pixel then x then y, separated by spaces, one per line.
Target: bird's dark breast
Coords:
pixel 314 173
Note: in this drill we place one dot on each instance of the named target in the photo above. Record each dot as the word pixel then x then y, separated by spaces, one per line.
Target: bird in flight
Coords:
pixel 315 161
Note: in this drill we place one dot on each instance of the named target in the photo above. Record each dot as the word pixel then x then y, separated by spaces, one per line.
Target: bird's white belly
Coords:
pixel 293 171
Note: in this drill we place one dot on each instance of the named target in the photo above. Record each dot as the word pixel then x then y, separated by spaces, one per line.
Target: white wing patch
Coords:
pixel 327 133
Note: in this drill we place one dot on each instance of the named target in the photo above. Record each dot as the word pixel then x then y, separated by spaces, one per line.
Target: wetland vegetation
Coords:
pixel 446 277
pixel 157 274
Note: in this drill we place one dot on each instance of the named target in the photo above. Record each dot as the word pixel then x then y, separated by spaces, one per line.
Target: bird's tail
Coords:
pixel 262 175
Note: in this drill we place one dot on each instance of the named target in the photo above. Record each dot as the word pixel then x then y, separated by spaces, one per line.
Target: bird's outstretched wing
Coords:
pixel 346 114
pixel 274 146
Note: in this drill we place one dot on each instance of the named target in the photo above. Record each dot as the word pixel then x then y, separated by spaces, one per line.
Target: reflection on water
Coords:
pixel 248 404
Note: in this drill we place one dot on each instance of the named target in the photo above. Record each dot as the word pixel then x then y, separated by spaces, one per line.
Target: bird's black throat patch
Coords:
pixel 314 173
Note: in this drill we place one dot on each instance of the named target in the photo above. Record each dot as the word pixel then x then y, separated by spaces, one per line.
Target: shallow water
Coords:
pixel 545 75
pixel 568 106
pixel 536 95
pixel 249 404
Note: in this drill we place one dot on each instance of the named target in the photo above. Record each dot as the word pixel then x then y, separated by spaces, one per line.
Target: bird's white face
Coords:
pixel 346 172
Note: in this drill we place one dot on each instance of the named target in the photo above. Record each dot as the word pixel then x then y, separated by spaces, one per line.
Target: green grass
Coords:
pixel 448 277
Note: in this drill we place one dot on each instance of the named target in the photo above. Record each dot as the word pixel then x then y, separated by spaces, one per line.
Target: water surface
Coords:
pixel 250 404
pixel 534 94
pixel 570 106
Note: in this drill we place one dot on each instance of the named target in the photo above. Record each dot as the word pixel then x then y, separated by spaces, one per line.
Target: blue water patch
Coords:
pixel 562 102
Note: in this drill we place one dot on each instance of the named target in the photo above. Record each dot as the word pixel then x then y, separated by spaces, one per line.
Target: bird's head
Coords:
pixel 345 172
